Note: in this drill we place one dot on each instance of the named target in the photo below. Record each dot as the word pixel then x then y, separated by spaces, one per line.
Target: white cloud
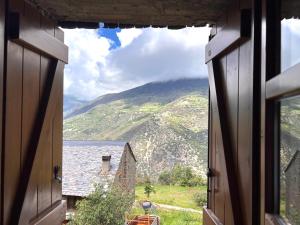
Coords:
pixel 126 36
pixel 145 55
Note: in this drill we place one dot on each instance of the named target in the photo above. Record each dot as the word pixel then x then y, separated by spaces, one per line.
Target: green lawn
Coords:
pixel 172 217
pixel 172 195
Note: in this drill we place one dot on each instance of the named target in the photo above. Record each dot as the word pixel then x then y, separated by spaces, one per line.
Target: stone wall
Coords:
pixel 126 175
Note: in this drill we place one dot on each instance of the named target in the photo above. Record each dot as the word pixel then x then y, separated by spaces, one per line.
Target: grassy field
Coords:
pixel 172 217
pixel 175 196
pixel 172 195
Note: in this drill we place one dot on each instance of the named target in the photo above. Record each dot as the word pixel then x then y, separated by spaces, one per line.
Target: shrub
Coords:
pixel 200 198
pixel 197 181
pixel 102 208
pixel 182 176
pixel 165 178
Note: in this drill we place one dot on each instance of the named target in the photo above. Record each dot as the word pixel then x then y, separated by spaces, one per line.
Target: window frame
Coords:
pixel 279 85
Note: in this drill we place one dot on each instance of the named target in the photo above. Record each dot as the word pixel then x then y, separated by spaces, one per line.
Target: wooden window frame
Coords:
pixel 276 86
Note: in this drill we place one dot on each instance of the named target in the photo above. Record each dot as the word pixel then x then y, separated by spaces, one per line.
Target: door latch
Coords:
pixel 56 174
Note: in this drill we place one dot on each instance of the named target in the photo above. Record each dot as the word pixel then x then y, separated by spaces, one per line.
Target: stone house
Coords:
pixel 292 173
pixel 88 163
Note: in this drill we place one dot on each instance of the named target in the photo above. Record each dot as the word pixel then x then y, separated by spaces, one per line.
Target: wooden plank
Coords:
pixel 220 178
pixel 54 216
pixel 2 60
pixel 217 96
pixel 245 149
pixel 30 106
pixel 232 93
pixel 57 137
pixel 36 39
pixel 47 108
pixel 210 187
pixel 45 155
pixel 209 218
pixel 237 31
pixel 284 85
pixel 13 123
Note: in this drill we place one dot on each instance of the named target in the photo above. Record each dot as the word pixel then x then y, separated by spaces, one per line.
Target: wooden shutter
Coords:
pixel 228 56
pixel 33 118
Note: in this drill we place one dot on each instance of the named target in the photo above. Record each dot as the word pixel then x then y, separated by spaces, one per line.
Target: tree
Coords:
pixel 103 208
pixel 149 188
pixel 182 176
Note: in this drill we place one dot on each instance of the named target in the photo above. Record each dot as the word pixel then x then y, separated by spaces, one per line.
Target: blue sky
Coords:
pixel 112 60
pixel 111 34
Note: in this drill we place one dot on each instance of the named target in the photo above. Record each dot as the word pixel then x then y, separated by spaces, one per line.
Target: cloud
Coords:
pixel 145 55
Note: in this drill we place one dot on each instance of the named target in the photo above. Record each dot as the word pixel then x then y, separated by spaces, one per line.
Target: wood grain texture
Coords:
pixel 53 216
pixel 227 155
pixel 132 13
pixel 38 39
pixel 239 85
pixel 232 93
pixel 57 138
pixel 2 61
pixel 39 131
pixel 245 148
pixel 236 31
pixel 44 157
pixel 209 218
pixel 30 107
pixel 27 81
pixel 13 124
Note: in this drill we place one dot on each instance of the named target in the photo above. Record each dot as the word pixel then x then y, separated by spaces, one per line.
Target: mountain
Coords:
pixel 71 103
pixel 165 123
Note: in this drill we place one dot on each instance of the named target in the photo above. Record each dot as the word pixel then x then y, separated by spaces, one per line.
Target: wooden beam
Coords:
pixel 56 213
pixel 209 218
pixel 230 36
pixel 284 84
pixel 36 39
pixel 219 102
pixel 46 110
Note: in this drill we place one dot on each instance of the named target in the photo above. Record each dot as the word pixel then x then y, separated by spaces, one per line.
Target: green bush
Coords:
pixel 165 178
pixel 182 176
pixel 200 198
pixel 102 208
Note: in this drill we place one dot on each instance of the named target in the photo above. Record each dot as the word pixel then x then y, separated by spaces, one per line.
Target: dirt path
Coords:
pixel 171 207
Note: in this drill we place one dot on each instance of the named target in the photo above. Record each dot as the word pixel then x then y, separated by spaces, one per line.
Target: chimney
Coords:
pixel 106 164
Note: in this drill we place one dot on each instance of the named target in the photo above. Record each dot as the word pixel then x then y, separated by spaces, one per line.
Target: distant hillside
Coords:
pixel 71 103
pixel 165 123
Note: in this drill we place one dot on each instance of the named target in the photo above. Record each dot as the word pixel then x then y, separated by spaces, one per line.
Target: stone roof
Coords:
pixel 82 163
pixel 129 13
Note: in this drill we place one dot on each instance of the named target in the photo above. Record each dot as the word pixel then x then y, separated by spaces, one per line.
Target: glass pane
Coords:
pixel 290 161
pixel 290 34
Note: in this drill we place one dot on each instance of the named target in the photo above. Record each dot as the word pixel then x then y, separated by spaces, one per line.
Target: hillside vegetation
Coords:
pixel 165 123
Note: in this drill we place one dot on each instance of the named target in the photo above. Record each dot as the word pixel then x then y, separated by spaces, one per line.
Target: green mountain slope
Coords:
pixel 165 123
